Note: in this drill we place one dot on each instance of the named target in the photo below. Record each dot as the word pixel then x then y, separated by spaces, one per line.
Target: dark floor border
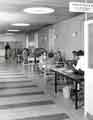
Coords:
pixel 15 82
pixel 27 104
pixel 18 87
pixel 23 94
pixel 57 116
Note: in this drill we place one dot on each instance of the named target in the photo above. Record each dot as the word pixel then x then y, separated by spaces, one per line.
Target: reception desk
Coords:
pixel 75 78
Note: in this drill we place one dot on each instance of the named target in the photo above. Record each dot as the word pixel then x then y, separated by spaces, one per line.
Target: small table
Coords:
pixel 74 77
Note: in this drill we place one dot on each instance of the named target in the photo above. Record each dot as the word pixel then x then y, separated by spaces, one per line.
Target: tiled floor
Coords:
pixel 23 94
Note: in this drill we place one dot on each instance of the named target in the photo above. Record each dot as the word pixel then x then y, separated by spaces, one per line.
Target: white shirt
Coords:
pixel 81 64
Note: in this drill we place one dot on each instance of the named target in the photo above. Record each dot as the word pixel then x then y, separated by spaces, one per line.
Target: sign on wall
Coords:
pixel 81 7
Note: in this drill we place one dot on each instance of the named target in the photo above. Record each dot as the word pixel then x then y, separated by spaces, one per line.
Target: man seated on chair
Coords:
pixel 75 57
pixel 80 67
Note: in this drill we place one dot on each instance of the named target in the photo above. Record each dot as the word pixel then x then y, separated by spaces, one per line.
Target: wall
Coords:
pixel 20 40
pixel 69 35
pixel 66 35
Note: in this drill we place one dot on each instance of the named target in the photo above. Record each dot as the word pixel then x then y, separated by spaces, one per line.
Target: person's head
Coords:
pixel 75 55
pixel 50 54
pixel 58 53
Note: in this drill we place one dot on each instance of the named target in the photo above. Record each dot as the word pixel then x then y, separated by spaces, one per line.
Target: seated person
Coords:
pixel 50 59
pixel 45 56
pixel 80 67
pixel 58 58
pixel 59 55
pixel 43 60
pixel 75 57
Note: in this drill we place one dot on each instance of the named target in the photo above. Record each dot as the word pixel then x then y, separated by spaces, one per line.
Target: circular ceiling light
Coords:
pixel 39 10
pixel 21 24
pixel 13 30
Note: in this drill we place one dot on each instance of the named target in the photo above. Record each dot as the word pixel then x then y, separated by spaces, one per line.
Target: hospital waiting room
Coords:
pixel 46 60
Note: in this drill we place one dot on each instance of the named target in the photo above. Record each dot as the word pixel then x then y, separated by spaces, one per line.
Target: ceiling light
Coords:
pixel 13 30
pixel 39 10
pixel 20 24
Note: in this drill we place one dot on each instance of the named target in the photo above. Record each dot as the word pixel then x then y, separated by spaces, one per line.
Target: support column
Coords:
pixel 27 40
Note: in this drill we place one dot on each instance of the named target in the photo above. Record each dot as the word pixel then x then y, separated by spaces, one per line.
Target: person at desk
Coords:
pixel 75 57
pixel 59 56
pixel 80 67
pixel 50 59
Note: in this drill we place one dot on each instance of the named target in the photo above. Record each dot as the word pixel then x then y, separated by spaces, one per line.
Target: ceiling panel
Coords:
pixel 11 11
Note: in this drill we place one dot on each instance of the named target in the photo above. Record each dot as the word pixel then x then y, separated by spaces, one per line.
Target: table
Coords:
pixel 69 74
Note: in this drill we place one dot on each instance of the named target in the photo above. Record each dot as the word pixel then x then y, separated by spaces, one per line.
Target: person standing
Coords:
pixel 25 56
pixel 7 51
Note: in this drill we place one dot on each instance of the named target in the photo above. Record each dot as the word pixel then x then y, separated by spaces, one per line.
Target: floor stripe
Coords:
pixel 12 77
pixel 15 82
pixel 22 94
pixel 11 73
pixel 22 105
pixel 15 87
pixel 24 99
pixel 61 116
pixel 19 90
pixel 29 112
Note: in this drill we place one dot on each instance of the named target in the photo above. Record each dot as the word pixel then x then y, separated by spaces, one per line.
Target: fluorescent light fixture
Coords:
pixel 21 24
pixel 13 30
pixel 39 10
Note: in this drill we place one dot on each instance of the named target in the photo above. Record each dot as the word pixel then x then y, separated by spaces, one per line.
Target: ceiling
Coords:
pixel 11 11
